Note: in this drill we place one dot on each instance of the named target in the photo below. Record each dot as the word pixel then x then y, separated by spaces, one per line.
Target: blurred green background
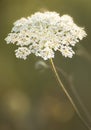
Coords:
pixel 30 98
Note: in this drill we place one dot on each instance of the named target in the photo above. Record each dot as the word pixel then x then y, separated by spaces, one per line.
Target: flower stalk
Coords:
pixel 67 94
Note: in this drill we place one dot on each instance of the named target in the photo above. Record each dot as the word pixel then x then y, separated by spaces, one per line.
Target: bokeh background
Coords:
pixel 30 98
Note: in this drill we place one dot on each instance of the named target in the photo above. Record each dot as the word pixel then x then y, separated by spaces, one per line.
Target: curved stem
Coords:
pixel 67 94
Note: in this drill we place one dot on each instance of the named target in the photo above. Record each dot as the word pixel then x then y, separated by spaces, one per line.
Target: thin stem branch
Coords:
pixel 67 94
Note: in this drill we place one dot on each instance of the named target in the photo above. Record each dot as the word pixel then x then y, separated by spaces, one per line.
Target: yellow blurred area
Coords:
pixel 17 104
pixel 53 108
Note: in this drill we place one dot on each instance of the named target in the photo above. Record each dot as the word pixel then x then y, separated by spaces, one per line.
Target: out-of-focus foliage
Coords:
pixel 30 98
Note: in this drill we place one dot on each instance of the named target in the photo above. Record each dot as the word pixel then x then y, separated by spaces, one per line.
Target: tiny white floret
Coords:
pixel 22 52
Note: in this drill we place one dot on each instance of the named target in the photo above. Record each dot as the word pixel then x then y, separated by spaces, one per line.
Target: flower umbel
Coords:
pixel 45 33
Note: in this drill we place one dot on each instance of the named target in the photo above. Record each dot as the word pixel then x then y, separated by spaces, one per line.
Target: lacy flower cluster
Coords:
pixel 45 33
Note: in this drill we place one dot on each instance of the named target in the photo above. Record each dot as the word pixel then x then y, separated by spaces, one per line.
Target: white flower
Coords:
pixel 22 52
pixel 67 51
pixel 45 33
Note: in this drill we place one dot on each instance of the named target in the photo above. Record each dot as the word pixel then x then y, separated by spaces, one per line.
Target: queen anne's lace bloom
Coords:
pixel 45 33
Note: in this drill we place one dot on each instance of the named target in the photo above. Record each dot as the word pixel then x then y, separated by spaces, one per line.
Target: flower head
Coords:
pixel 45 33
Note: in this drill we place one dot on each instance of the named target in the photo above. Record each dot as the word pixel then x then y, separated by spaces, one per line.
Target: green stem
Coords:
pixel 67 94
